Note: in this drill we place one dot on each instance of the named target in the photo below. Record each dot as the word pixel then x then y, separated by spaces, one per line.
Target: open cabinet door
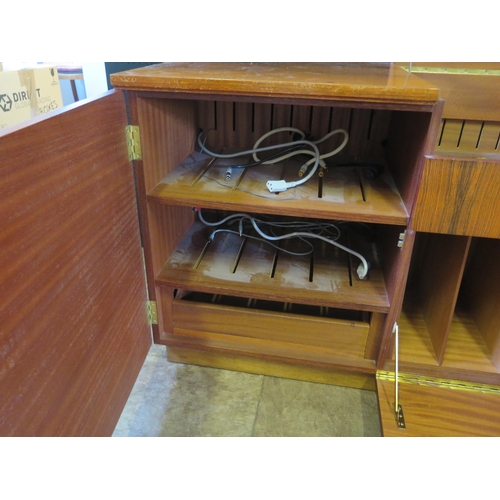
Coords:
pixel 438 408
pixel 73 322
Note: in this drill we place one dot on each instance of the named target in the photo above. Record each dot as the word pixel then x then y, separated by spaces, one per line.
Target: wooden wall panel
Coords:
pixel 459 196
pixel 73 324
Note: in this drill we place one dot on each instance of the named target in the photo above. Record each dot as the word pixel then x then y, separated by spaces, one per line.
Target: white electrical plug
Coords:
pixel 277 186
pixel 362 271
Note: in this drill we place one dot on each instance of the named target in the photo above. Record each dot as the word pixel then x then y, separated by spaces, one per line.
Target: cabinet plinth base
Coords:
pixel 248 364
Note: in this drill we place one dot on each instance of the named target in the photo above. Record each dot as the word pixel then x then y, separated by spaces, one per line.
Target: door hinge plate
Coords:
pixel 152 312
pixel 401 239
pixel 400 418
pixel 133 142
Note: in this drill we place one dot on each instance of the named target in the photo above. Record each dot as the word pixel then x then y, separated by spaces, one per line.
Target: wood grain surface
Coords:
pixel 193 268
pixel 363 82
pixel 73 325
pixel 436 411
pixel 468 96
pixel 459 196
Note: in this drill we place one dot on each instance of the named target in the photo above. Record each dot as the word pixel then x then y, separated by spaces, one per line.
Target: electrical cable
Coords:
pixel 276 186
pixel 362 269
pixel 297 254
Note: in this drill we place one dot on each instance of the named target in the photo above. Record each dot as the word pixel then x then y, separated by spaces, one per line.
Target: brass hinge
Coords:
pixel 400 418
pixel 401 239
pixel 152 312
pixel 452 71
pixel 133 142
pixel 439 382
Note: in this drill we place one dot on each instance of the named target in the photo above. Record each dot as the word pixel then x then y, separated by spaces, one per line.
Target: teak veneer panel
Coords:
pixel 459 196
pixel 74 330
pixel 347 338
pixel 364 83
pixel 438 411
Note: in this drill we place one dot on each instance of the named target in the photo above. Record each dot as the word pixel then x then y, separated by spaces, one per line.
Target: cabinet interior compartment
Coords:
pixel 373 182
pixel 451 318
pixel 373 179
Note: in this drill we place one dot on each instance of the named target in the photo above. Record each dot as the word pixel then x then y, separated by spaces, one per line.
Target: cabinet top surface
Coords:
pixel 371 82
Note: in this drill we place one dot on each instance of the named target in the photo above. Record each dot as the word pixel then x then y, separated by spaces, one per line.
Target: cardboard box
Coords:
pixel 27 93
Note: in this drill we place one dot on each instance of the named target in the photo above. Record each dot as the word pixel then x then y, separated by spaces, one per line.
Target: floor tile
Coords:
pixel 171 399
pixel 293 408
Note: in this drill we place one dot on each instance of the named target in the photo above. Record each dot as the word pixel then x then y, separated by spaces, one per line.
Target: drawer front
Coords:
pixel 344 337
pixel 459 196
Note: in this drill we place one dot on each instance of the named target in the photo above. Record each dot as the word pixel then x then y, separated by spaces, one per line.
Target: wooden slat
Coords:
pixel 215 275
pixel 74 330
pixel 371 82
pixel 342 194
pixel 435 411
pixel 469 137
pixel 459 196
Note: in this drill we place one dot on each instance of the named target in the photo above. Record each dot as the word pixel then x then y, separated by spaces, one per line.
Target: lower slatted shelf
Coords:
pixel 231 265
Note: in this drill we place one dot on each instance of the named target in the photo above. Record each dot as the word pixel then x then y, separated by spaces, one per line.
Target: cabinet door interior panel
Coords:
pixel 459 196
pixel 438 411
pixel 74 329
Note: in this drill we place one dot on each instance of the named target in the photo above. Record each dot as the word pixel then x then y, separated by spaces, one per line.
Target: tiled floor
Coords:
pixel 171 399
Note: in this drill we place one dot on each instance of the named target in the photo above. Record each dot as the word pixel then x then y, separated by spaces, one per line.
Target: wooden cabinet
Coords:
pixel 450 325
pixel 224 300
pixel 245 304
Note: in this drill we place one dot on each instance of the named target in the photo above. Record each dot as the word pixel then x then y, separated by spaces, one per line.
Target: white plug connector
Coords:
pixel 277 186
pixel 362 271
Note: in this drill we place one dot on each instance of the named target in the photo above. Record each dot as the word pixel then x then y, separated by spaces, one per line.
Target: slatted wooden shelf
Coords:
pixel 231 266
pixel 346 193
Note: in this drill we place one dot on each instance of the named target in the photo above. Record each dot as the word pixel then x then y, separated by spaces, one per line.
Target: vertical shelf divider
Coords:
pixel 444 262
pixel 481 293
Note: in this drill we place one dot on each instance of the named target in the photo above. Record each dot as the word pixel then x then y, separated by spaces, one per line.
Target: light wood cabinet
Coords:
pixel 239 303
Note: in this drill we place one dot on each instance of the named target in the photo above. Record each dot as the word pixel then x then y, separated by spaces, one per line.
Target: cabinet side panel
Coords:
pixel 74 330
pixel 168 134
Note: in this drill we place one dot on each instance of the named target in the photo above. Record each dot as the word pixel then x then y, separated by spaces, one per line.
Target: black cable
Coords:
pixel 372 169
